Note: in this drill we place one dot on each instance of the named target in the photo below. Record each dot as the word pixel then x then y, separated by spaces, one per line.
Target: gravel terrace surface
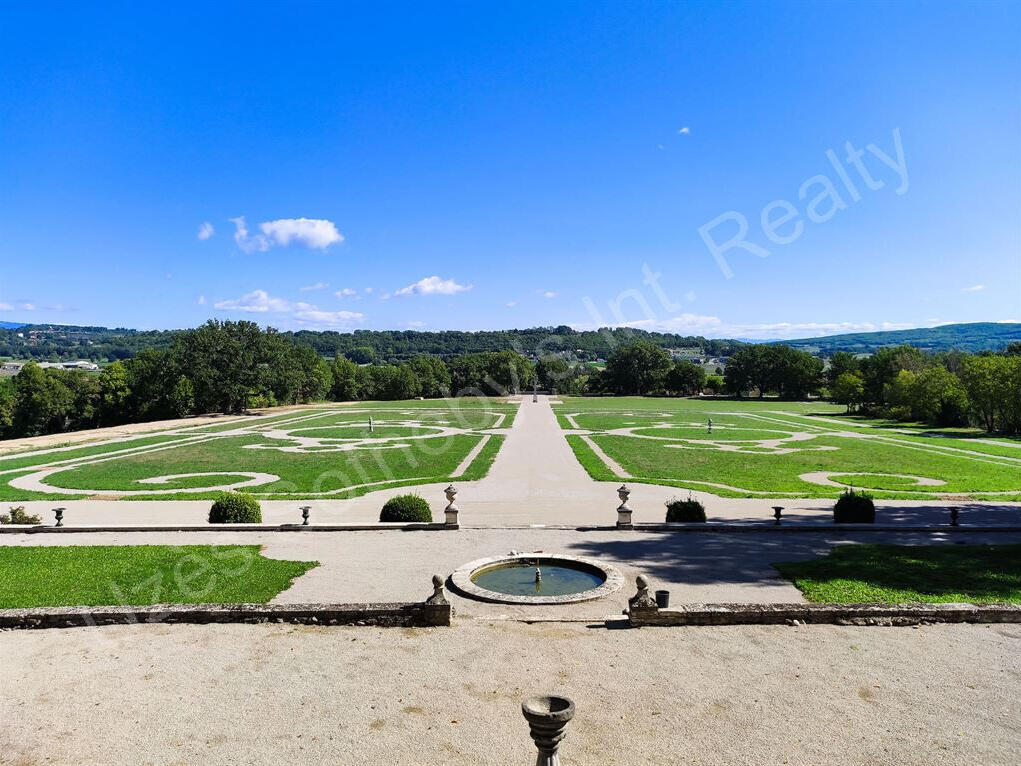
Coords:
pixel 272 694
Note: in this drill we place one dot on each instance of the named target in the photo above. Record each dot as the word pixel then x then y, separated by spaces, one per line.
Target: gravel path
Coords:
pixel 274 694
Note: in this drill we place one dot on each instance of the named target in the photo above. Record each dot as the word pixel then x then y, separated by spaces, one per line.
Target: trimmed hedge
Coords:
pixel 406 508
pixel 685 510
pixel 235 508
pixel 854 508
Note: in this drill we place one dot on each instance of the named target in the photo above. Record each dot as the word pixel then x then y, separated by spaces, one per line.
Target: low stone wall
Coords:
pixel 394 527
pixel 821 614
pixel 382 615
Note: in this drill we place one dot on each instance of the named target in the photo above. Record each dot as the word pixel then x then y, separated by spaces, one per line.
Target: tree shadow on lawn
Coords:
pixel 743 559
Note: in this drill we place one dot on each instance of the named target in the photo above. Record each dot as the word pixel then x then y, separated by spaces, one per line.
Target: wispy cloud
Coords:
pixel 311 288
pixel 6 307
pixel 261 302
pixel 206 231
pixel 201 300
pixel 548 293
pixel 25 306
pixel 685 131
pixel 313 233
pixel 346 292
pixel 433 286
pixel 973 289
pixel 713 326
pixel 511 304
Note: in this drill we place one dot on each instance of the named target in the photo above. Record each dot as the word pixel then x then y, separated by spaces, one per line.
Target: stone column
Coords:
pixel 547 723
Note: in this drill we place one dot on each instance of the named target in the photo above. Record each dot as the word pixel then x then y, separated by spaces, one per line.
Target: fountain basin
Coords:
pixel 511 579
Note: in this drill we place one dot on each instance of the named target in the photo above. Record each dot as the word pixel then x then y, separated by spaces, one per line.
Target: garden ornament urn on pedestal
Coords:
pixel 451 511
pixel 58 513
pixel 305 510
pixel 547 723
pixel 777 511
pixel 623 512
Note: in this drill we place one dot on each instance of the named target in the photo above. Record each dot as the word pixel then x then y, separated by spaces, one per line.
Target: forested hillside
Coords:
pixel 99 344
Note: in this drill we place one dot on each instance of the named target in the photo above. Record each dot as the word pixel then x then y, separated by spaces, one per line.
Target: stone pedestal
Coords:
pixel 547 723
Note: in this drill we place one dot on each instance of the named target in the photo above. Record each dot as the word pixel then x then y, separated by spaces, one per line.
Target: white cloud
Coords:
pixel 685 131
pixel 511 304
pixel 206 231
pixel 26 306
pixel 548 293
pixel 261 302
pixel 414 324
pixel 6 307
pixel 712 326
pixel 433 286
pixel 346 292
pixel 314 233
pixel 201 300
pixel 690 296
pixel 368 290
pixel 316 286
pixel 973 289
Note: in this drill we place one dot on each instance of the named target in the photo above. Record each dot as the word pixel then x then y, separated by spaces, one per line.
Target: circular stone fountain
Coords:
pixel 536 578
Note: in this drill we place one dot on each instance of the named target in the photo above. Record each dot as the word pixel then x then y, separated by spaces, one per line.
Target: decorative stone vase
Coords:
pixel 451 511
pixel 623 512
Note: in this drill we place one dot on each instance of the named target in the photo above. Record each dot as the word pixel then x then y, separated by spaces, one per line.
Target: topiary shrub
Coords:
pixel 854 508
pixel 17 515
pixel 685 510
pixel 406 508
pixel 235 508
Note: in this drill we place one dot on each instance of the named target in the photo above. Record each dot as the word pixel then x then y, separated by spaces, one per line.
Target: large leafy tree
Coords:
pixel 639 368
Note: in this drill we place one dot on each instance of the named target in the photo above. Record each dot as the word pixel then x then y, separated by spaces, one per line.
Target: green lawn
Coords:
pixel 134 575
pixel 814 438
pixel 896 574
pixel 278 445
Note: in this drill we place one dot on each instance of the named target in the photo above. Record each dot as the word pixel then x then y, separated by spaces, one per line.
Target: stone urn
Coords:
pixel 547 723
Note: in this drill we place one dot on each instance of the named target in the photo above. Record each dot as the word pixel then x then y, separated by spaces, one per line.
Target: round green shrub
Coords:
pixel 406 508
pixel 854 508
pixel 685 510
pixel 235 508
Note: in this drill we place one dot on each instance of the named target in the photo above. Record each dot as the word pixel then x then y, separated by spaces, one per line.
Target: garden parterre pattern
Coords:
pixel 778 449
pixel 322 452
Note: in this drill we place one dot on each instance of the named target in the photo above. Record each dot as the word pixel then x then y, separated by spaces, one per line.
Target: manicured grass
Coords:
pixel 684 454
pixel 315 471
pixel 895 574
pixel 134 575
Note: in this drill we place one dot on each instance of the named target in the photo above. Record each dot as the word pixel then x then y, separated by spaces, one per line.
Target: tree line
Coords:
pixel 228 367
pixel 65 342
pixel 948 389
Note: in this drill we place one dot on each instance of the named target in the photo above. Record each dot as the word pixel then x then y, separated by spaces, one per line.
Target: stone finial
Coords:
pixel 58 514
pixel 437 598
pixel 547 724
pixel 643 599
pixel 451 511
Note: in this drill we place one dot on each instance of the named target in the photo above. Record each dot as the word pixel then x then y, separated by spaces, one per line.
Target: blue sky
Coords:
pixel 490 166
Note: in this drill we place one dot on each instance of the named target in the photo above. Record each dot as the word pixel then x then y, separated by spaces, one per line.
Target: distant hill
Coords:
pixel 972 337
pixel 11 325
